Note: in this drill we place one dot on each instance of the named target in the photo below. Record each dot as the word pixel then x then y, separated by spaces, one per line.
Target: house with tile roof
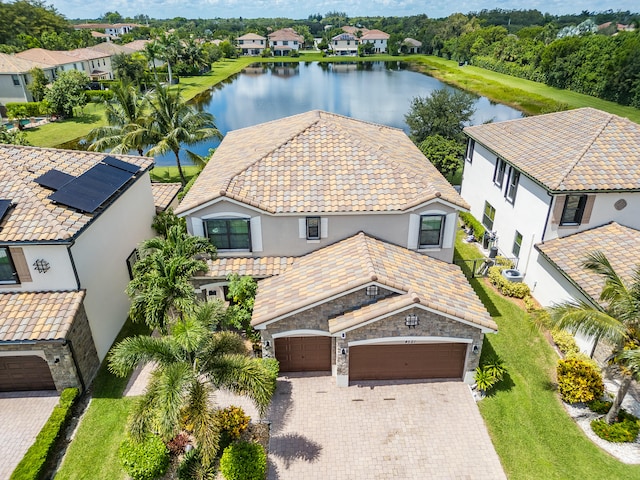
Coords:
pixel 251 44
pixel 377 38
pixel 70 222
pixel 345 44
pixel 15 77
pixel 285 40
pixel 61 60
pixel 552 182
pixel 288 201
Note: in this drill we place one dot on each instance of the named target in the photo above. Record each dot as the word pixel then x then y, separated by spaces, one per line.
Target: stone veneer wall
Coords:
pixel 431 325
pixel 317 318
pixel 83 348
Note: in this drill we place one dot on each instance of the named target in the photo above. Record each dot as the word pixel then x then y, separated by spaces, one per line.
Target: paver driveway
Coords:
pixel 22 416
pixel 377 430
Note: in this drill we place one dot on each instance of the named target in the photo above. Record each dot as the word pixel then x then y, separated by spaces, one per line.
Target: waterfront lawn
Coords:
pixel 532 433
pixel 93 453
pixel 171 175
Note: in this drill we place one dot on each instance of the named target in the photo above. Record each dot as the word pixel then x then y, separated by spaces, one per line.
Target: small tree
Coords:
pixel 38 85
pixel 242 293
pixel 444 112
pixel 445 154
pixel 67 92
pixel 13 136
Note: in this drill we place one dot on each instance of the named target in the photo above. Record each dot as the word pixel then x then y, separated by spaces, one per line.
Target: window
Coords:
pixel 573 210
pixel 285 42
pixel 498 173
pixel 8 274
pixel 488 215
pixel 517 243
pixel 313 228
pixel 470 146
pixel 132 259
pixel 512 185
pixel 241 42
pixel 16 80
pixel 229 233
pixel 431 228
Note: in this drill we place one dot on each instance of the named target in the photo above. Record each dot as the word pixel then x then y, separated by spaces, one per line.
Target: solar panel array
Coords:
pixel 91 189
pixel 54 179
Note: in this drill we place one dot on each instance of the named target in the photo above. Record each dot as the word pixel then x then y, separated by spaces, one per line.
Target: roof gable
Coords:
pixel 358 261
pixel 575 150
pixel 320 162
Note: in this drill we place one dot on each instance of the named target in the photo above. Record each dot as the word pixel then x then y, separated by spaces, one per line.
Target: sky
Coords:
pixel 296 9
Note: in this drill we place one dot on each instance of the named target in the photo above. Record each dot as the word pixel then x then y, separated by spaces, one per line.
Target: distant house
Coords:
pixel 377 38
pixel 251 44
pixel 15 77
pixel 285 40
pixel 549 186
pixel 70 223
pixel 114 30
pixel 411 45
pixel 350 230
pixel 345 44
pixel 97 63
pixel 61 60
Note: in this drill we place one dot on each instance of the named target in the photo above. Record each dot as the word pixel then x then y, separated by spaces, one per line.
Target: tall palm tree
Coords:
pixel 189 364
pixel 161 291
pixel 616 319
pixel 175 122
pixel 126 115
pixel 170 47
pixel 153 51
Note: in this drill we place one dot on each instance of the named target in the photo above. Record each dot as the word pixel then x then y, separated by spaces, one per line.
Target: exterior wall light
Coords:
pixel 411 320
pixel 475 349
pixel 267 344
pixel 343 351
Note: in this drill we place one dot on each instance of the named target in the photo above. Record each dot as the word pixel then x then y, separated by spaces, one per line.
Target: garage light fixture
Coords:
pixel 267 344
pixel 411 320
pixel 343 351
pixel 372 290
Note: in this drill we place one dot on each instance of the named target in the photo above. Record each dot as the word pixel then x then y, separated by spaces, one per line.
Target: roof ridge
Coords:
pixel 585 150
pixel 368 259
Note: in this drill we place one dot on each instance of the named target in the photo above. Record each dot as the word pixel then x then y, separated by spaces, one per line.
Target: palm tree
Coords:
pixel 170 51
pixel 616 319
pixel 190 363
pixel 153 51
pixel 161 291
pixel 174 122
pixel 126 117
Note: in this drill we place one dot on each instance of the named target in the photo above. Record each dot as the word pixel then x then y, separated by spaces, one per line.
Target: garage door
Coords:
pixel 25 373
pixel 391 362
pixel 303 354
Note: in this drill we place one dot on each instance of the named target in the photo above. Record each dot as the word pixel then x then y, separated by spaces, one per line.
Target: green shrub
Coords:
pixel 504 262
pixel 599 406
pixel 99 96
pixel 233 421
pixel 470 221
pixel 530 304
pixel 25 109
pixel 507 288
pixel 244 461
pixel 565 341
pixel 191 468
pixel 144 460
pixel 32 464
pixel 578 380
pixel 620 432
pixel 273 366
pixel 490 373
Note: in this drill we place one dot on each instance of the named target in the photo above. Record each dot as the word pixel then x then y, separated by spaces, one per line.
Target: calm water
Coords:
pixel 379 92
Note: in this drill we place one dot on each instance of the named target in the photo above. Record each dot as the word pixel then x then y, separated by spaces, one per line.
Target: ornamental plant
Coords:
pixel 579 380
pixel 244 461
pixel 145 460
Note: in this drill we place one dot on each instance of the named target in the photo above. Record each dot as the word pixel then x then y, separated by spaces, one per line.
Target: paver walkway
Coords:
pixel 376 430
pixel 22 416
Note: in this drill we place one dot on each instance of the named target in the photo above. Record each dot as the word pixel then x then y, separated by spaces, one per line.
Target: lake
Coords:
pixel 379 92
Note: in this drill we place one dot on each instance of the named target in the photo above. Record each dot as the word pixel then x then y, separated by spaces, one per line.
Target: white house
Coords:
pixel 285 40
pixel 61 60
pixel 377 38
pixel 70 223
pixel 345 44
pixel 338 215
pixel 251 44
pixel 538 181
pixel 15 78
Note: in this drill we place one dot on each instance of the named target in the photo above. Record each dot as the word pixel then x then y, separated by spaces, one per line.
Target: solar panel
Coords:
pixel 91 189
pixel 127 167
pixel 4 206
pixel 54 179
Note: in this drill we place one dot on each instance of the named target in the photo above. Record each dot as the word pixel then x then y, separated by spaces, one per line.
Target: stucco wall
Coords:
pixel 60 275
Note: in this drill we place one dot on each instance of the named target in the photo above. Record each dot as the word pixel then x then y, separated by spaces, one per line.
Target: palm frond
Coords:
pixel 132 351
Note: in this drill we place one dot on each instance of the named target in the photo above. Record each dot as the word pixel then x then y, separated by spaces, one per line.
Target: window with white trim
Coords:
pixel 517 243
pixel 488 215
pixel 313 228
pixel 498 172
pixel 512 185
pixel 229 233
pixel 470 146
pixel 431 229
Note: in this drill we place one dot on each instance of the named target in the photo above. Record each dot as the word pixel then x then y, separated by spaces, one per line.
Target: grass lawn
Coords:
pixel 93 453
pixel 532 434
pixel 170 174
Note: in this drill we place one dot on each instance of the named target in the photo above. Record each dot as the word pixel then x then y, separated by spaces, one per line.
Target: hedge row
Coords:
pixel 510 289
pixel 32 465
pixel 26 109
pixel 470 221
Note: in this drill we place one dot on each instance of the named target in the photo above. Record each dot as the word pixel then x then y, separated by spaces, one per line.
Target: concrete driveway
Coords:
pixel 376 430
pixel 22 416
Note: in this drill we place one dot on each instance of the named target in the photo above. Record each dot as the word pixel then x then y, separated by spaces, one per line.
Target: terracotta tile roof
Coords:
pixel 37 315
pixel 413 42
pixel 34 217
pixel 320 162
pixel 48 57
pixel 285 34
pixel 576 150
pixel 375 35
pixel 164 194
pixel 13 64
pixel 136 45
pixel 620 244
pixel 87 53
pixel 361 260
pixel 112 48
pixel 352 29
pixel 251 36
pixel 257 267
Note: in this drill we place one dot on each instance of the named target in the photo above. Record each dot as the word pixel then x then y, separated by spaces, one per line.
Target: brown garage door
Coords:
pixel 303 354
pixel 391 362
pixel 25 373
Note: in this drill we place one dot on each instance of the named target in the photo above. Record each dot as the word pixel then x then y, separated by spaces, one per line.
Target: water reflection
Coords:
pixel 379 92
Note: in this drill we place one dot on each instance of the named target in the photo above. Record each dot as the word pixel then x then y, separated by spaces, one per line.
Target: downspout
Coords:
pixel 73 266
pixel 546 220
